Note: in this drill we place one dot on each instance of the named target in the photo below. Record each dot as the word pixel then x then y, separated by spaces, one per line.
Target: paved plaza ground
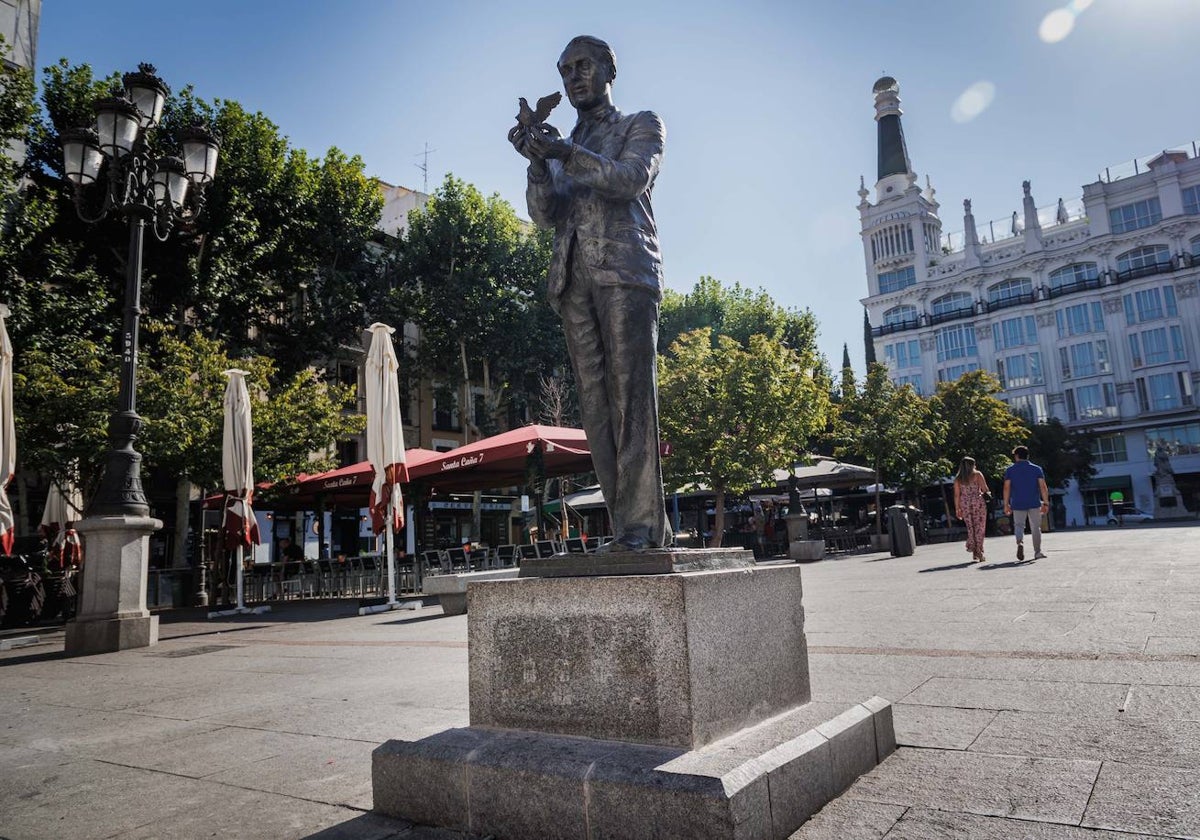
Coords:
pixel 1053 700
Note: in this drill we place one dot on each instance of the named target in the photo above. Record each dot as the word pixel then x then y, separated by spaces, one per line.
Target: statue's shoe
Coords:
pixel 625 542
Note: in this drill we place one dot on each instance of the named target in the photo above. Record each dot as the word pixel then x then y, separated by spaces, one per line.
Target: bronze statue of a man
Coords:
pixel 605 279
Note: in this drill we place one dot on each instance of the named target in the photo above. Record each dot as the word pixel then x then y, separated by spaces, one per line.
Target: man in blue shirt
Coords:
pixel 1026 497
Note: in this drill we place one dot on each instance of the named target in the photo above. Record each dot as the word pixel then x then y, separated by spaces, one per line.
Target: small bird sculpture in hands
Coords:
pixel 534 117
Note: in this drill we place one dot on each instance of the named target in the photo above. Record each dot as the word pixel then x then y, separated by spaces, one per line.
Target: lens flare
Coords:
pixel 972 102
pixel 1057 25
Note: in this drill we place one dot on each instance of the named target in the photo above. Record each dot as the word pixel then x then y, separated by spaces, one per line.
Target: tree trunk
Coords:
pixel 183 496
pixel 24 524
pixel 718 529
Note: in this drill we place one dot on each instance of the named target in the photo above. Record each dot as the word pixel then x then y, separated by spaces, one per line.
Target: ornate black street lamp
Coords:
pixel 116 156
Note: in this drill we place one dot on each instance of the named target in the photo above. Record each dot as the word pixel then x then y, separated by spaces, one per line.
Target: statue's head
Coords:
pixel 588 67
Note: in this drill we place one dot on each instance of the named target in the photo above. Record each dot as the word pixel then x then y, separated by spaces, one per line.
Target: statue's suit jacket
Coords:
pixel 598 202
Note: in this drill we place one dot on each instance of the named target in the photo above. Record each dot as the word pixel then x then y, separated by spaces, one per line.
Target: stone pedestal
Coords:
pixel 797 526
pixel 1168 503
pixel 678 659
pixel 806 549
pixel 672 705
pixel 112 602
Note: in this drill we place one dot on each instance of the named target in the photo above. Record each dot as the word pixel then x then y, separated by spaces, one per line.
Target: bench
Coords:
pixel 452 589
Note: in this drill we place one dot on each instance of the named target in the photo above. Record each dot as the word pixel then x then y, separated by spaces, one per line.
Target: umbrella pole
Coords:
pixel 389 541
pixel 240 561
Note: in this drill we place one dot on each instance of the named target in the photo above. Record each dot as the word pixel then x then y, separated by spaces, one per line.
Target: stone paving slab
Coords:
pixel 1023 695
pixel 851 818
pixel 1182 671
pixel 1172 702
pixel 1043 789
pixel 1164 743
pixel 1153 800
pixel 939 727
pixel 926 824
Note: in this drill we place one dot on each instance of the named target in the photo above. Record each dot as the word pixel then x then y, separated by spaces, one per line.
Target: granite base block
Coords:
pixel 108 635
pixel 654 561
pixel 760 784
pixel 643 658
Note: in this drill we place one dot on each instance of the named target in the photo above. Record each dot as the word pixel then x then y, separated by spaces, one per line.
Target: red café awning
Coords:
pixel 502 460
pixel 497 461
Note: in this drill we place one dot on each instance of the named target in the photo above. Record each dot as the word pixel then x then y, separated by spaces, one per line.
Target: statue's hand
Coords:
pixel 518 135
pixel 547 142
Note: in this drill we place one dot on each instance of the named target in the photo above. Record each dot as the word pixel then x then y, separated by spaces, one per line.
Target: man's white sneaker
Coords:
pixel 1039 556
pixel 1020 551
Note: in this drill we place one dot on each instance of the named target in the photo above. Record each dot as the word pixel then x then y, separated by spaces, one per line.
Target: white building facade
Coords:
pixel 1086 311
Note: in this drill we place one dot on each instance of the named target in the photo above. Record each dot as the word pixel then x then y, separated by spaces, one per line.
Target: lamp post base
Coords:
pixel 112 599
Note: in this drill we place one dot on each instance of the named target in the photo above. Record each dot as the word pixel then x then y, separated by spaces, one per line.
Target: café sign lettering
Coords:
pixel 462 462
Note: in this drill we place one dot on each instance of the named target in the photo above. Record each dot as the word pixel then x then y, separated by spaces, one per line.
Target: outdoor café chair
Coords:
pixel 479 559
pixel 576 545
pixel 458 559
pixel 506 555
pixel 546 548
pixel 529 551
pixel 432 562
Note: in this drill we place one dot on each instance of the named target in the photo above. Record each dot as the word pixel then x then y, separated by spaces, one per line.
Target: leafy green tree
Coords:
pixel 848 383
pixel 732 414
pixel 181 397
pixel 277 263
pixel 868 340
pixel 62 399
pixel 471 276
pixel 735 311
pixel 977 424
pixel 886 427
pixel 1063 454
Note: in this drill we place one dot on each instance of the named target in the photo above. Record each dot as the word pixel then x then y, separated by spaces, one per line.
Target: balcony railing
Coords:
pixel 895 327
pixel 952 315
pixel 1009 300
pixel 1143 271
pixel 1052 292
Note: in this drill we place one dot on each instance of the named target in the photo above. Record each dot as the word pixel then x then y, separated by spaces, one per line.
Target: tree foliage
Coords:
pixel 1063 454
pixel 471 276
pixel 734 311
pixel 732 414
pixel 891 429
pixel 977 424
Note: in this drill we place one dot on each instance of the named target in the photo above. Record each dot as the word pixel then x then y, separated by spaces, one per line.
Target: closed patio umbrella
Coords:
pixel 8 433
pixel 385 445
pixel 64 507
pixel 239 529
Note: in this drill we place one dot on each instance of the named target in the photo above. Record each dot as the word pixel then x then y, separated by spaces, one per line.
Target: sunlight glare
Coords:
pixel 1057 25
pixel 973 101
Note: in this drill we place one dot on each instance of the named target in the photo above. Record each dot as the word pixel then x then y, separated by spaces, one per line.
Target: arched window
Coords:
pixel 1074 275
pixel 1013 289
pixel 1143 261
pixel 899 315
pixel 953 302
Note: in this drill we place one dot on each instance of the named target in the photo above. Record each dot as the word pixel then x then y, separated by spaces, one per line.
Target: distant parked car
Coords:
pixel 1128 517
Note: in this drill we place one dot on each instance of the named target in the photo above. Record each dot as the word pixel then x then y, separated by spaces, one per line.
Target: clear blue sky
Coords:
pixel 767 104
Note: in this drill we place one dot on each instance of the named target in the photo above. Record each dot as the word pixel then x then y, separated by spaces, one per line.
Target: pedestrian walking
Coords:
pixel 971 497
pixel 1026 497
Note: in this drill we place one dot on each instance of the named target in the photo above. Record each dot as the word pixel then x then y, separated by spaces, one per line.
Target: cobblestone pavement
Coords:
pixel 1053 699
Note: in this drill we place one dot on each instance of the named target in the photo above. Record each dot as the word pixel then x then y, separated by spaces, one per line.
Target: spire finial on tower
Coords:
pixel 893 154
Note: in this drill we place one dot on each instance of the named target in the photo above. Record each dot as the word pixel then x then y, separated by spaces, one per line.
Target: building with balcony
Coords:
pixel 1086 309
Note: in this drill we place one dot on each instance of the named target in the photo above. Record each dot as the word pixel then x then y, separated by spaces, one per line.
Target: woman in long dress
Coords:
pixel 970 505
